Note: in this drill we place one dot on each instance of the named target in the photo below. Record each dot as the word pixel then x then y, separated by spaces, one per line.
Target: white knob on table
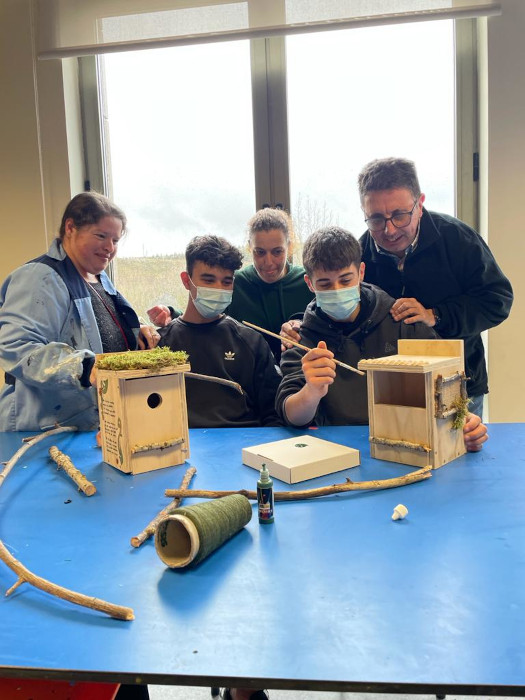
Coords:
pixel 400 512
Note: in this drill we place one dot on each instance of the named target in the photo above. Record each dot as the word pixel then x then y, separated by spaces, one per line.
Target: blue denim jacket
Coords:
pixel 47 330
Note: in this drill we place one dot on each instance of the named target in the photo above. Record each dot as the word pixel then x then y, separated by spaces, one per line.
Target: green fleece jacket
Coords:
pixel 269 305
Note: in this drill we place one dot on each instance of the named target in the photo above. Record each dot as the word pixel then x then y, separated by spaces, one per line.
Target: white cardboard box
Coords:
pixel 299 458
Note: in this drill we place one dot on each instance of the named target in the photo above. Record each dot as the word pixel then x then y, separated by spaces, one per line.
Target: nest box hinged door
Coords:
pixel 417 403
pixel 143 418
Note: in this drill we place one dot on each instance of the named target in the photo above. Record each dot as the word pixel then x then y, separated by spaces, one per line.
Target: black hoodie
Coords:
pixel 374 333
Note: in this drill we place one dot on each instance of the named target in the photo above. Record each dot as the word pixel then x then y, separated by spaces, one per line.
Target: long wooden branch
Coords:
pixel 149 530
pixel 26 576
pixel 349 485
pixel 64 462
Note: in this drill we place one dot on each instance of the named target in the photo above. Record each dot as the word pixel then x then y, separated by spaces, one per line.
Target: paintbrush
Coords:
pixel 298 345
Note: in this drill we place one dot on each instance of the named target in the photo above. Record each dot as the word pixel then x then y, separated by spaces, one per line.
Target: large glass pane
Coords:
pixel 180 158
pixel 359 94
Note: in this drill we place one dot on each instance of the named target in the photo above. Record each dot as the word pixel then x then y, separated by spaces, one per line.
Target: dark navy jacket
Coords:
pixel 453 271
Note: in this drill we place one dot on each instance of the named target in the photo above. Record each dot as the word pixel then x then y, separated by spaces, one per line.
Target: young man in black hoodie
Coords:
pixel 349 320
pixel 219 346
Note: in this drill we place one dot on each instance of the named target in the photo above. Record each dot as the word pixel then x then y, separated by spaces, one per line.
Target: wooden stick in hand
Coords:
pixel 298 345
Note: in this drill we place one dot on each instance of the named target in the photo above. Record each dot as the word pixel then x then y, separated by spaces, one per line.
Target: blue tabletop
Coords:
pixel 333 595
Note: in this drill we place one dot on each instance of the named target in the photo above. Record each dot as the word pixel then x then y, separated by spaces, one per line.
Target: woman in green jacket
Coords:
pixel 271 290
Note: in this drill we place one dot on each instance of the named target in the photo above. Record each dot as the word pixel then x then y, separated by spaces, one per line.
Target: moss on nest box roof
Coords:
pixel 158 358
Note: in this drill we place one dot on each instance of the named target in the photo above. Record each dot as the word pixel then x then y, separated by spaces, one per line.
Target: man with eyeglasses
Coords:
pixel 439 270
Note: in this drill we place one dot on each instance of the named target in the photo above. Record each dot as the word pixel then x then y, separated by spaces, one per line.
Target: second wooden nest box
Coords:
pixel 414 398
pixel 143 418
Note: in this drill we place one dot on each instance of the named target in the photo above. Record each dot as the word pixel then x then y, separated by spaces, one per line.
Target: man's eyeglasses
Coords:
pixel 399 220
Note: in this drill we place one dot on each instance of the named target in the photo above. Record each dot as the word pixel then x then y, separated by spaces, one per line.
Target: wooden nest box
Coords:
pixel 416 403
pixel 143 417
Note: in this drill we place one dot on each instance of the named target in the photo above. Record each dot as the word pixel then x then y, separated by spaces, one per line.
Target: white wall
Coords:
pixel 41 159
pixel 21 203
pixel 505 201
pixel 41 167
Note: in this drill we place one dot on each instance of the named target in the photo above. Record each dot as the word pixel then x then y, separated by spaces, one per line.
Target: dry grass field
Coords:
pixel 149 281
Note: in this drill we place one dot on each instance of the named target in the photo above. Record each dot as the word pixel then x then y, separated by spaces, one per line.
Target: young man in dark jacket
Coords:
pixel 439 270
pixel 349 320
pixel 219 346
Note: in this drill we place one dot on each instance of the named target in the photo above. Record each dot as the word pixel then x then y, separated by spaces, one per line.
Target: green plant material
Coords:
pixel 155 359
pixel 460 405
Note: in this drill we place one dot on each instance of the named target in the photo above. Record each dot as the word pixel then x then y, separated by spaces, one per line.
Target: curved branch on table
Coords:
pixel 119 612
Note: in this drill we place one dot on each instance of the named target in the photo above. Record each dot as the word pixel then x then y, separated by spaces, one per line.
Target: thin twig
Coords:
pixel 25 576
pixel 148 447
pixel 349 485
pixel 215 380
pixel 64 462
pixel 149 530
pixel 298 345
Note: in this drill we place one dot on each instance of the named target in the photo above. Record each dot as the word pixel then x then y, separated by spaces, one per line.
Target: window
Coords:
pixel 361 94
pixel 186 153
pixel 179 149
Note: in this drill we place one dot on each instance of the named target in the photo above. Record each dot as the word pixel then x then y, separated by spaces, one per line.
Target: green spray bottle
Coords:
pixel 265 496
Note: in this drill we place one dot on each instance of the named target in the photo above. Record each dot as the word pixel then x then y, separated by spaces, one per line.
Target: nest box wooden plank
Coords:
pixel 413 401
pixel 143 418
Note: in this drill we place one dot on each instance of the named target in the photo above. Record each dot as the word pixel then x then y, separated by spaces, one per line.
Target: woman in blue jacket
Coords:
pixel 56 312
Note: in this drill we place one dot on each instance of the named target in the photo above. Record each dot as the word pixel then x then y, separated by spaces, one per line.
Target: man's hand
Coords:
pixel 410 310
pixel 159 315
pixel 474 433
pixel 148 337
pixel 291 330
pixel 319 369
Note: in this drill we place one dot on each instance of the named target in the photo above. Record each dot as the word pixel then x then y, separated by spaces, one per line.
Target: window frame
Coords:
pixel 271 153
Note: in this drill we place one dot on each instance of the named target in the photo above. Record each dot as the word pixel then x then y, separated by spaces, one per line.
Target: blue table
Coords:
pixel 335 595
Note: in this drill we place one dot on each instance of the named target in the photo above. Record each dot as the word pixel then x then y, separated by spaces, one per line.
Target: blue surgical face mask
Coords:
pixel 339 304
pixel 211 302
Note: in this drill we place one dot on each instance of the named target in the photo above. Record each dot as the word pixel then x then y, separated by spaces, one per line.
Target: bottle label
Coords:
pixel 265 502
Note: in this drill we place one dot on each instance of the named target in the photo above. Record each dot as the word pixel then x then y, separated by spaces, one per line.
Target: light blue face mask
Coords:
pixel 211 302
pixel 339 304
